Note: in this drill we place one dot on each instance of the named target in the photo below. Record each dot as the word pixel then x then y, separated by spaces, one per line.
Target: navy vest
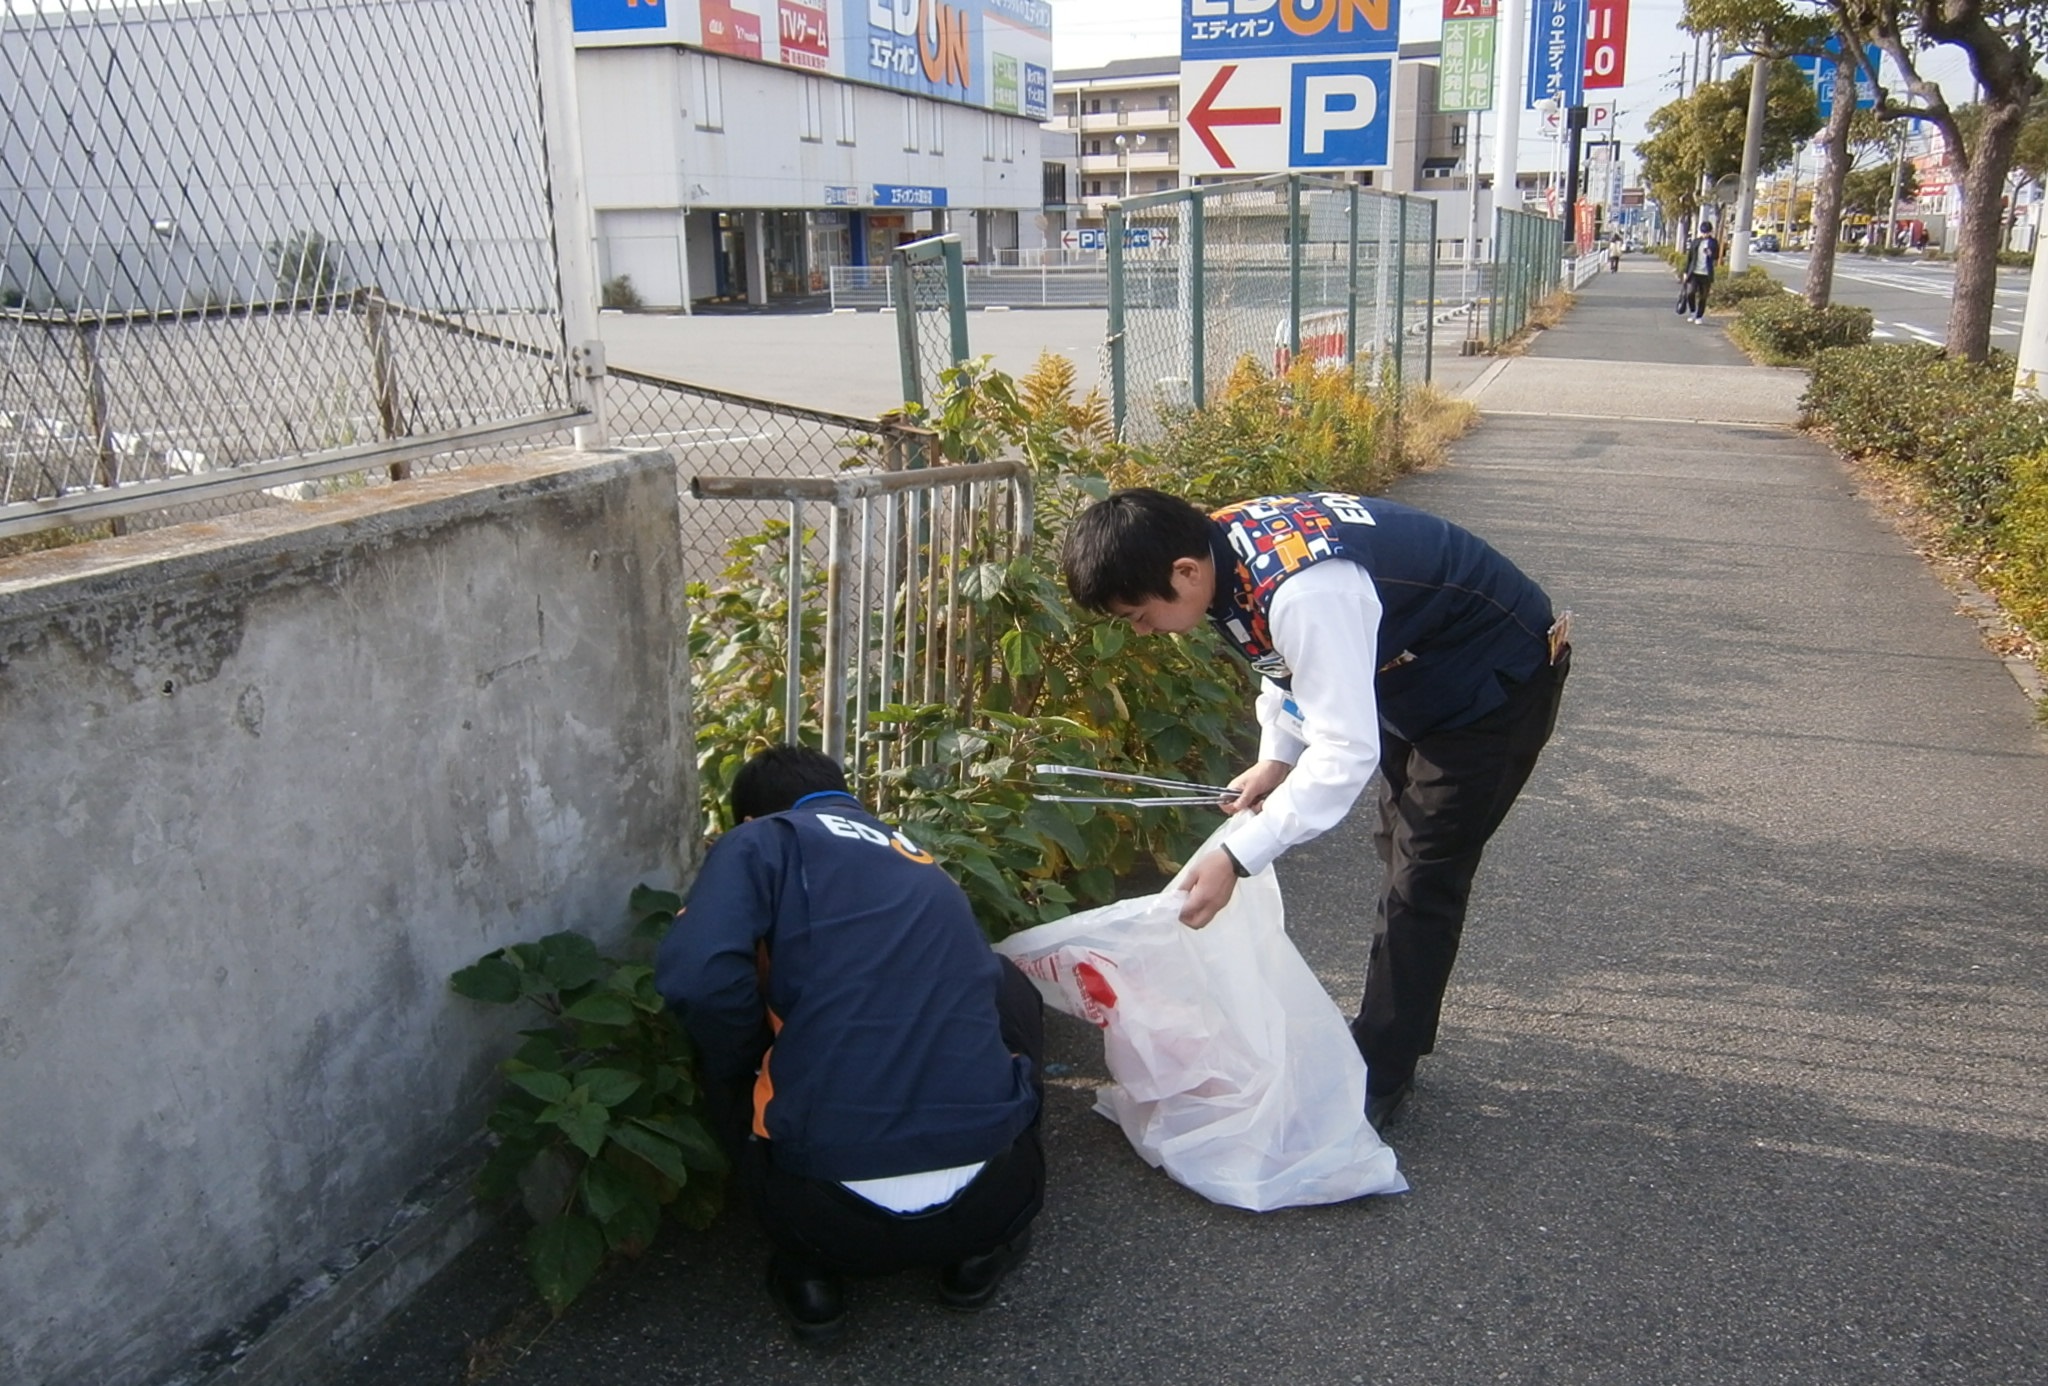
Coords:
pixel 1457 617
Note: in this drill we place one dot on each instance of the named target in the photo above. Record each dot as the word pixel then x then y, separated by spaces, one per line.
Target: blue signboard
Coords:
pixel 1820 73
pixel 1285 28
pixel 1557 52
pixel 902 195
pixel 1135 238
pixel 588 16
pixel 1037 91
pixel 1337 121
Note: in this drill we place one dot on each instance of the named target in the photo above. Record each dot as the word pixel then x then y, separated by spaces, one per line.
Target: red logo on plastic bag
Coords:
pixel 1096 993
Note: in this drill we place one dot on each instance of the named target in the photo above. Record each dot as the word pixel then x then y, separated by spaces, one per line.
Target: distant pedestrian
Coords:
pixel 1702 258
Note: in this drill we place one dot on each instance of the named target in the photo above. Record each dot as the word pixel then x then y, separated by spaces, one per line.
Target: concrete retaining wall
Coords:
pixel 263 785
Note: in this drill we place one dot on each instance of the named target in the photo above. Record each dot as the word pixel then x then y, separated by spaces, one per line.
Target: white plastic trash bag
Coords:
pixel 1234 1071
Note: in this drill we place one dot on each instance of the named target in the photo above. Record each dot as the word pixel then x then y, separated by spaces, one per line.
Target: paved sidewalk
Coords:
pixel 1744 1076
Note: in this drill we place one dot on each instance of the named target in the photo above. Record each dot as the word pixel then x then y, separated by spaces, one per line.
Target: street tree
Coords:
pixel 1698 138
pixel 1867 192
pixel 1788 29
pixel 2029 155
pixel 2004 40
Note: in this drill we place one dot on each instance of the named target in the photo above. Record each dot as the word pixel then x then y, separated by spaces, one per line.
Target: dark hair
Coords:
pixel 779 776
pixel 1122 549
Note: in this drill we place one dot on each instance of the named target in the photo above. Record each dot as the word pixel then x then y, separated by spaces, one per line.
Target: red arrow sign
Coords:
pixel 1205 116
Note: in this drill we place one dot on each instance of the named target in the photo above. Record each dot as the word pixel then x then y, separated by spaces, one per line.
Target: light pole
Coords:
pixel 1125 145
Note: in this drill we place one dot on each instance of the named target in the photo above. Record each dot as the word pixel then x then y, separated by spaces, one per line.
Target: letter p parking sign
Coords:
pixel 1339 113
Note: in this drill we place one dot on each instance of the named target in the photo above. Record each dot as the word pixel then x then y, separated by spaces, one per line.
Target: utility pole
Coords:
pixel 1752 155
pixel 1514 19
pixel 2030 381
pixel 1891 216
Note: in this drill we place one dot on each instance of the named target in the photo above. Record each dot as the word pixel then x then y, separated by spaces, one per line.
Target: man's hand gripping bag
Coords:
pixel 1234 1071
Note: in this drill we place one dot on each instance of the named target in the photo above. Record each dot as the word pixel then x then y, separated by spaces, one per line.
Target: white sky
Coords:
pixel 1088 33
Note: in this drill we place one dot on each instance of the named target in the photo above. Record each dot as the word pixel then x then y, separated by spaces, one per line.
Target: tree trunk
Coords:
pixel 1827 201
pixel 1976 283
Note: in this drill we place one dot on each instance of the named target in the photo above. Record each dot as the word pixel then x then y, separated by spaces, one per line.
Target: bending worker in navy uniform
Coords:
pixel 1387 639
pixel 831 970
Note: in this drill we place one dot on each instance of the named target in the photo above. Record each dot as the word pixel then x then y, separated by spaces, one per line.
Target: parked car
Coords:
pixel 1767 241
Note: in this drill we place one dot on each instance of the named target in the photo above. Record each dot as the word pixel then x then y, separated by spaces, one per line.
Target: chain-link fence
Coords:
pixel 717 434
pixel 1272 269
pixel 929 289
pixel 251 249
pixel 1528 265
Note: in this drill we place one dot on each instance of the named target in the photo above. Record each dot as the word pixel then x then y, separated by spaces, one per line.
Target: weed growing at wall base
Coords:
pixel 598 1128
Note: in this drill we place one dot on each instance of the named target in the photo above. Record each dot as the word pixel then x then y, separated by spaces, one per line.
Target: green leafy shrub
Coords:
pixel 1309 429
pixel 597 1128
pixel 1785 329
pixel 1735 289
pixel 1950 426
pixel 2017 569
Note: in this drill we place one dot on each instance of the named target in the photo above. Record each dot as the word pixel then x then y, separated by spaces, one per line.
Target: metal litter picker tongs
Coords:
pixel 1211 795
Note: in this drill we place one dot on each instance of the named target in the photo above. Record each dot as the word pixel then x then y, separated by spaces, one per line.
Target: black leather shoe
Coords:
pixel 1382 1108
pixel 970 1284
pixel 812 1302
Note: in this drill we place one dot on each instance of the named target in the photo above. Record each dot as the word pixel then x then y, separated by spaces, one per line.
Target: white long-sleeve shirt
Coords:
pixel 1324 622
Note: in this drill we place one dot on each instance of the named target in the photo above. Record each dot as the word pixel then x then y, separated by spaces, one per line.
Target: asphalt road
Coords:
pixel 1908 298
pixel 1741 1079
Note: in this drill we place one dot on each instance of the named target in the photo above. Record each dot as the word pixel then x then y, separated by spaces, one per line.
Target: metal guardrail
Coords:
pixel 898 626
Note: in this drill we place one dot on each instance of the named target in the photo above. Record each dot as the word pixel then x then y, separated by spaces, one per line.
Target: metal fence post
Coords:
pixel 901 295
pixel 575 232
pixel 1400 293
pixel 1293 267
pixel 1429 300
pixel 1119 399
pixel 1495 300
pixel 1351 290
pixel 793 670
pixel 956 298
pixel 1197 303
pixel 838 595
pixel 391 420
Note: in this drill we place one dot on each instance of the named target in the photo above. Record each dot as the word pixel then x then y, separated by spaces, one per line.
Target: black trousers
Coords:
pixel 1696 287
pixel 827 1229
pixel 1441 799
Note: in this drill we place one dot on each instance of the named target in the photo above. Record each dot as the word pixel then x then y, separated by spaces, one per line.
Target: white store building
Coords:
pixel 738 150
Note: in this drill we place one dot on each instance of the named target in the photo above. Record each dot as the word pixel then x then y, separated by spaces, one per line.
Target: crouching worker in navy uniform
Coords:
pixel 835 982
pixel 1387 639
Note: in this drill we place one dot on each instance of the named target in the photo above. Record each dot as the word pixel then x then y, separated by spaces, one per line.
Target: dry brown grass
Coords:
pixel 1543 314
pixel 1431 421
